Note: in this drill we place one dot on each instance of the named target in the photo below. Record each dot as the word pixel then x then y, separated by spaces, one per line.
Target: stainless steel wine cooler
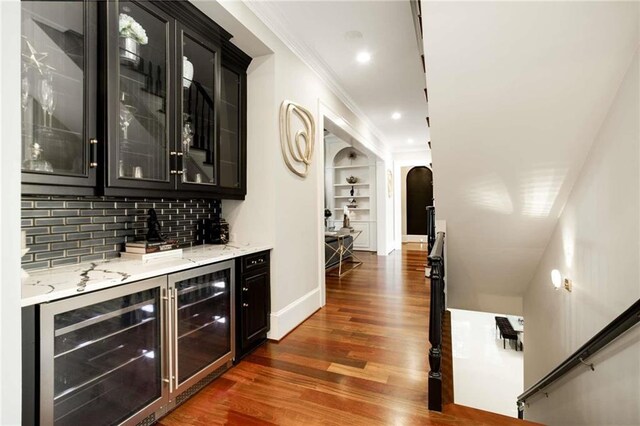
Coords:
pixel 131 353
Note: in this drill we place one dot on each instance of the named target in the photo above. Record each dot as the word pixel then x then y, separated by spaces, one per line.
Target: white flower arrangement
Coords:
pixel 132 29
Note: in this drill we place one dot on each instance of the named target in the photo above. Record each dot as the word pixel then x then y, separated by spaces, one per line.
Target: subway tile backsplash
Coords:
pixel 68 230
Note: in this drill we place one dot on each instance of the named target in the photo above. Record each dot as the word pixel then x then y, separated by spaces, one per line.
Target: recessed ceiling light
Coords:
pixel 363 57
pixel 353 35
pixel 409 141
pixel 396 116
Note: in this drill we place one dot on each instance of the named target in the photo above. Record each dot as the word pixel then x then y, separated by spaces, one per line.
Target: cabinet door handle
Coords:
pixel 93 153
pixel 245 289
pixel 260 260
pixel 246 305
pixel 253 262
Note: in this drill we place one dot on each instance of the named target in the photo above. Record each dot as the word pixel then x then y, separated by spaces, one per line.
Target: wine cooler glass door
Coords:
pixel 101 359
pixel 203 326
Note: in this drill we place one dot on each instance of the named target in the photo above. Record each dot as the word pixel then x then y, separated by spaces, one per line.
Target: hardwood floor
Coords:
pixel 360 360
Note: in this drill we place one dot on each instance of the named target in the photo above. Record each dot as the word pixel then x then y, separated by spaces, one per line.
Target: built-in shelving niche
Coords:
pixel 342 162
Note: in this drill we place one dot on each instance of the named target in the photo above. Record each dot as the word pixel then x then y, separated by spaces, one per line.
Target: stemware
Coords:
pixel 25 87
pixel 46 96
pixel 126 117
pixel 187 134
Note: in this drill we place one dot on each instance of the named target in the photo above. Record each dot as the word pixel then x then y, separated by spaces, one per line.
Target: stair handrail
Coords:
pixel 436 315
pixel 431 227
pixel 608 334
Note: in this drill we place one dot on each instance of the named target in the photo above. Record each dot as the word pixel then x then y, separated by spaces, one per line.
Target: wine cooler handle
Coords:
pixel 174 338
pixel 166 299
pixel 93 153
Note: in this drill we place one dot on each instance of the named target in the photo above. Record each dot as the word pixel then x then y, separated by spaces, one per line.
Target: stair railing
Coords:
pixel 436 315
pixel 608 334
pixel 431 227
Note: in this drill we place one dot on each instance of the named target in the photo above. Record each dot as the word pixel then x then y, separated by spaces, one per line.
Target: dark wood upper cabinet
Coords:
pixel 197 95
pixel 165 100
pixel 138 96
pixel 58 84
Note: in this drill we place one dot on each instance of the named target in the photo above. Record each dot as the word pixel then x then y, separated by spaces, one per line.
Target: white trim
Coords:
pixel 294 314
pixel 414 238
pixel 10 288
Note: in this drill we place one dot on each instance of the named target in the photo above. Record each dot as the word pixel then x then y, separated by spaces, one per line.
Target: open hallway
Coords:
pixel 360 360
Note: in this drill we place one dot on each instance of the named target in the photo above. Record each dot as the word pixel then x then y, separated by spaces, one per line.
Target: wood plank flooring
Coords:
pixel 360 360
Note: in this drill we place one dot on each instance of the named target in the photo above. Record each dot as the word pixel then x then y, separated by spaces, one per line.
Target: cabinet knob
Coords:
pixel 245 289
pixel 246 305
pixel 253 262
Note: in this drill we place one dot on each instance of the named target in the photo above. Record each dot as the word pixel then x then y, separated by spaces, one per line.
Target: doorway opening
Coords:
pixel 417 195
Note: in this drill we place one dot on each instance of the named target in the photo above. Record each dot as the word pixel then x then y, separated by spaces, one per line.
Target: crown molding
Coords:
pixel 277 23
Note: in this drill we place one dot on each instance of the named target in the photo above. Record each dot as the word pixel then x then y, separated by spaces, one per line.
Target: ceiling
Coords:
pixel 330 35
pixel 517 94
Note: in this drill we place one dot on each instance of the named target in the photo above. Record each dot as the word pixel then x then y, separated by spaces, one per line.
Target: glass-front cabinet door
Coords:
pixel 198 106
pixel 230 128
pixel 203 322
pixel 102 356
pixel 59 97
pixel 138 92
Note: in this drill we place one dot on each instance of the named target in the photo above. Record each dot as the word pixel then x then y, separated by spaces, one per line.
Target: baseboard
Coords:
pixel 292 315
pixel 414 238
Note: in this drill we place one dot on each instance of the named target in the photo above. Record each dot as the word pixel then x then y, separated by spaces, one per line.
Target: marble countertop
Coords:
pixel 58 283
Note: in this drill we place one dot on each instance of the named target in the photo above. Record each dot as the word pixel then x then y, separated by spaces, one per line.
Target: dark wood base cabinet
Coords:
pixel 253 302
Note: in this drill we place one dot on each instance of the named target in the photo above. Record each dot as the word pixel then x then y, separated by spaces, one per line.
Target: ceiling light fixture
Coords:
pixel 396 116
pixel 410 141
pixel 363 57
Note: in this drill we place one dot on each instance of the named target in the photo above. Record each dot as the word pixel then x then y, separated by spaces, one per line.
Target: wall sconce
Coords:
pixel 557 281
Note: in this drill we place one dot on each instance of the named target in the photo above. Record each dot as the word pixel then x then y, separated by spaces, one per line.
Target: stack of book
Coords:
pixel 145 250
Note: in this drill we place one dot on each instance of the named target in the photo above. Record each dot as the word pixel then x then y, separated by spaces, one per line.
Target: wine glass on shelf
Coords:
pixel 51 106
pixel 25 87
pixel 45 89
pixel 126 116
pixel 187 134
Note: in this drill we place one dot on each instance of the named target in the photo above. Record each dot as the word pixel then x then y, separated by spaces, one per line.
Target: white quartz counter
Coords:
pixel 58 283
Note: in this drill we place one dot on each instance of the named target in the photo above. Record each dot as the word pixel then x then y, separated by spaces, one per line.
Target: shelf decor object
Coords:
pixel 132 35
pixel 297 151
pixel 352 179
pixel 187 72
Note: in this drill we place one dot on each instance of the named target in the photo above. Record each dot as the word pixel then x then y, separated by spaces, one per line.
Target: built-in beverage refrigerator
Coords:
pixel 131 353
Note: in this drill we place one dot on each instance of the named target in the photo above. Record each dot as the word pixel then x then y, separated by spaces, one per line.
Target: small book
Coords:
pixel 151 249
pixel 143 243
pixel 146 257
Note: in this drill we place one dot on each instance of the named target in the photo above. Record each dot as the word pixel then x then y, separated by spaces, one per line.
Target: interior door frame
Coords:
pixel 325 112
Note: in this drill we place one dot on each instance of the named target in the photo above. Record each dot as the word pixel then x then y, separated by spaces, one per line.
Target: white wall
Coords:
pixel 281 208
pixel 385 209
pixel 10 356
pixel 595 244
pixel 514 111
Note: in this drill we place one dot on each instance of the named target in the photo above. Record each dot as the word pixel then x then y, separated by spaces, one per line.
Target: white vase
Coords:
pixel 187 72
pixel 129 50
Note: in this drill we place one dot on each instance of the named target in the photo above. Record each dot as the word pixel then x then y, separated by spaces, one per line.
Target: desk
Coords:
pixel 343 251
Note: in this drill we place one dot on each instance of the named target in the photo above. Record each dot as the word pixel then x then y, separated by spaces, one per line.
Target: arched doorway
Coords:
pixel 419 196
